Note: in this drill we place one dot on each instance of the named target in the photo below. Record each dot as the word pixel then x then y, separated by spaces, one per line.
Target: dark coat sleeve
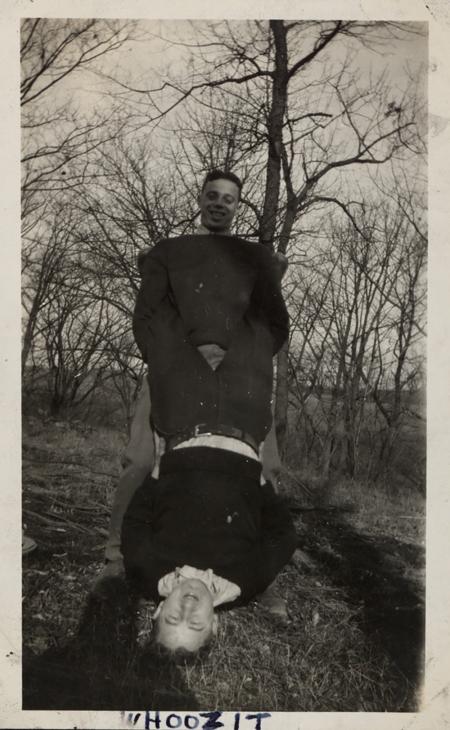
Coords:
pixel 267 299
pixel 278 540
pixel 142 568
pixel 153 290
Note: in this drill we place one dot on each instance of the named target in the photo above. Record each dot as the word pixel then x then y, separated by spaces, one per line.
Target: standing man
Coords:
pixel 204 297
pixel 209 318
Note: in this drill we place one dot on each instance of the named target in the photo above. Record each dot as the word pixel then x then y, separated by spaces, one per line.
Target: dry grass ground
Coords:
pixel 342 649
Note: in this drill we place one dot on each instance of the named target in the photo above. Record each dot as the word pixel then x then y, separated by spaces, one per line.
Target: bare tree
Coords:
pixel 43 252
pixel 54 132
pixel 310 126
pixel 74 333
pixel 57 142
pixel 357 333
pixel 286 105
pixel 404 357
pixel 126 371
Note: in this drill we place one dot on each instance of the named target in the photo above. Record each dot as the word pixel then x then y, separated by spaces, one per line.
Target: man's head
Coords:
pixel 186 619
pixel 219 200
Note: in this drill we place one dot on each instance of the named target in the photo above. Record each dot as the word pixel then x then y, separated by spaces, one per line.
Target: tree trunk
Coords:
pixel 275 133
pixel 271 198
pixel 281 399
pixel 27 341
pixel 31 323
pixel 330 440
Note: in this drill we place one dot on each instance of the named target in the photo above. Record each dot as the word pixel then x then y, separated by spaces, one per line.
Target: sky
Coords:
pixel 159 50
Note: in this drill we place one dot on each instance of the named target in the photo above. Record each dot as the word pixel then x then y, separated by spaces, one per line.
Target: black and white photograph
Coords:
pixel 223 367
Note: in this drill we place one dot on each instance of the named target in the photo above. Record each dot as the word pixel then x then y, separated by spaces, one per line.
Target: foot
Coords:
pixel 302 560
pixel 28 544
pixel 273 602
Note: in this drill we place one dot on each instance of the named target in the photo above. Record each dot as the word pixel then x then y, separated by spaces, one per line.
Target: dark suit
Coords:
pixel 207 510
pixel 206 289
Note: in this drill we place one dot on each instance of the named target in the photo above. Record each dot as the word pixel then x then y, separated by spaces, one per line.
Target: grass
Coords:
pixel 381 508
pixel 325 658
pixel 319 662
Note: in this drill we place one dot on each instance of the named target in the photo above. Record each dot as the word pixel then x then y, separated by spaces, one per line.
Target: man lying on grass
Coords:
pixel 206 534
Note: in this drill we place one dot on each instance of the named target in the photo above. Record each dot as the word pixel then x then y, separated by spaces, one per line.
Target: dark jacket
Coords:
pixel 202 289
pixel 207 510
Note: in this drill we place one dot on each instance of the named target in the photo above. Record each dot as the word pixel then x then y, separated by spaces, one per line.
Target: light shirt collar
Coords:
pixel 222 590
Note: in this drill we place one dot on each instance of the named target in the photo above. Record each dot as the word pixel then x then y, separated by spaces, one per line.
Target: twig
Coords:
pixel 75 476
pixel 69 463
pixel 57 521
pixel 308 491
pixel 87 507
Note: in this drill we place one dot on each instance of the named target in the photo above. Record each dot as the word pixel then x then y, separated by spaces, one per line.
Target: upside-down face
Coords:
pixel 186 619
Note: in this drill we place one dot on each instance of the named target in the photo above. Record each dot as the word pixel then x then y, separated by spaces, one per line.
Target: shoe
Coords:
pixel 273 602
pixel 28 544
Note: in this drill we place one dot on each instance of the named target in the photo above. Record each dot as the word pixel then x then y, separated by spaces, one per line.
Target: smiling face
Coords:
pixel 186 620
pixel 218 202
